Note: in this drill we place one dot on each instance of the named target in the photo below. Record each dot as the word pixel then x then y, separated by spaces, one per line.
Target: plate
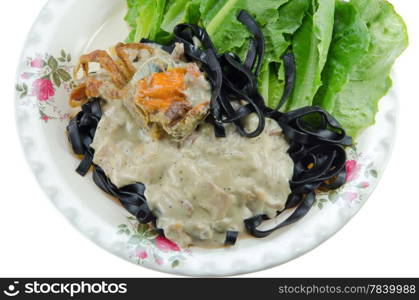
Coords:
pixel 64 30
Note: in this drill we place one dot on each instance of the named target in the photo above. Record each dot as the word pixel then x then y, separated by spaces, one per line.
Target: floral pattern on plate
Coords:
pixel 361 175
pixel 43 78
pixel 145 245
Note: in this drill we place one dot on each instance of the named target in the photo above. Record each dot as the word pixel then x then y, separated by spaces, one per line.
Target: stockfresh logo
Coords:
pixel 60 288
pixel 12 290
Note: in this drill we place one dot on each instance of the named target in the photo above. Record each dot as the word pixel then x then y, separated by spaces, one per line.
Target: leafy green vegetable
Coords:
pixel 132 14
pixel 350 43
pixel 311 44
pixel 271 83
pixel 158 19
pixel 206 6
pixel 388 38
pixel 144 17
pixel 131 37
pixel 278 35
pixel 181 11
pixel 357 103
pixel 220 20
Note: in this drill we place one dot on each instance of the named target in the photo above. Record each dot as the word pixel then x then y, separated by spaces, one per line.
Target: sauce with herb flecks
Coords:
pixel 203 187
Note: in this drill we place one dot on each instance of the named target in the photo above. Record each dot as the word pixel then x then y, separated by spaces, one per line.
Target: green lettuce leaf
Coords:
pixel 357 104
pixel 389 38
pixel 206 6
pixel 132 13
pixel 350 43
pixel 158 18
pixel 271 83
pixel 131 37
pixel 145 20
pixel 144 17
pixel 311 44
pixel 220 20
pixel 181 11
pixel 278 35
pixel 131 18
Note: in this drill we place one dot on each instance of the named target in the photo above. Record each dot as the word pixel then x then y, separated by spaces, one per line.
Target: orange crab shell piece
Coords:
pixel 158 92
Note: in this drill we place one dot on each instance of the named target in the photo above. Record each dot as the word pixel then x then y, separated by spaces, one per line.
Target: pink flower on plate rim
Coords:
pixel 365 184
pixel 158 260
pixel 37 63
pixel 166 245
pixel 142 254
pixel 45 118
pixel 43 89
pixel 352 170
pixel 350 197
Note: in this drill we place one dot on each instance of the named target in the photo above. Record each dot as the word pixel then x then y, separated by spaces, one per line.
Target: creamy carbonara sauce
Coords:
pixel 202 188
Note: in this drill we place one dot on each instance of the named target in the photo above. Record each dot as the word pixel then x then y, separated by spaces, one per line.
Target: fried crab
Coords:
pixel 166 94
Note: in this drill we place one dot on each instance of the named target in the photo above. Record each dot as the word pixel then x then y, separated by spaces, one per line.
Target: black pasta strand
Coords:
pixel 257 44
pixel 81 131
pixel 231 238
pixel 290 78
pixel 304 207
pixel 131 196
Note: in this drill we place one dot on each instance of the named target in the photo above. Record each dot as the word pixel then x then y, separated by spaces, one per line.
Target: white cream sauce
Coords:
pixel 204 187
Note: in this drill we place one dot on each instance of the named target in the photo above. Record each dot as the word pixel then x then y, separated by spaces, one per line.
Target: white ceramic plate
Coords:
pixel 64 30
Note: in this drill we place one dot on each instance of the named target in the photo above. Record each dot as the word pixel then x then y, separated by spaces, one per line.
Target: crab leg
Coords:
pixel 78 95
pixel 106 62
pixel 120 49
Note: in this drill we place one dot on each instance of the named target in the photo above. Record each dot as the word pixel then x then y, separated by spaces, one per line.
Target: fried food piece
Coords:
pixel 160 100
pixel 162 104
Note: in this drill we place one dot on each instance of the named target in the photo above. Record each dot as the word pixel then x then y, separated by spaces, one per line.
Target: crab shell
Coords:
pixel 156 87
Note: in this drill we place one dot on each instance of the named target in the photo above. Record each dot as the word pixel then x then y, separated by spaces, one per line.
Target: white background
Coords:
pixel 35 240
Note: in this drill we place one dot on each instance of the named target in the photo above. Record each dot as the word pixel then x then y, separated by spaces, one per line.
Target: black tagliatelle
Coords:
pixel 316 139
